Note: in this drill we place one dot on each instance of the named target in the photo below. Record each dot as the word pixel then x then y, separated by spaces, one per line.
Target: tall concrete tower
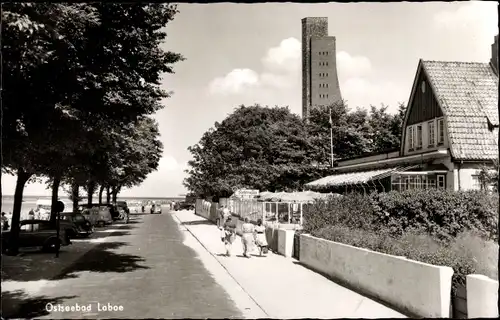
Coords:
pixel 320 83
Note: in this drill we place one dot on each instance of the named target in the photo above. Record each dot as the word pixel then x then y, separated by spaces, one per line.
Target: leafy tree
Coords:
pixel 385 129
pixel 354 132
pixel 87 66
pixel 36 42
pixel 254 147
pixel 488 176
pixel 348 131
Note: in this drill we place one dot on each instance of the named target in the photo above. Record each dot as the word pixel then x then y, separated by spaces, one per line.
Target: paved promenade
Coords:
pixel 146 269
pixel 281 287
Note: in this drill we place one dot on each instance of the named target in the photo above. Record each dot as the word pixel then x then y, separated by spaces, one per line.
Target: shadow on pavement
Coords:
pixel 103 234
pixel 198 222
pixel 133 221
pixel 127 226
pixel 103 259
pixel 16 304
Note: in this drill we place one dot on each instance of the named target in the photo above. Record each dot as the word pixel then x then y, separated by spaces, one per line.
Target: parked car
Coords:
pixel 83 227
pixel 183 205
pixel 97 214
pixel 37 233
pixel 155 208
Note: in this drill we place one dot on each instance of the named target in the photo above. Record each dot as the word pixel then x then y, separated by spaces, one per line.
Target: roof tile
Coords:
pixel 468 94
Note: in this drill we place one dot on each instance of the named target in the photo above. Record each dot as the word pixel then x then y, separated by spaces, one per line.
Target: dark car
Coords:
pixel 83 226
pixel 113 209
pixel 37 233
pixel 183 205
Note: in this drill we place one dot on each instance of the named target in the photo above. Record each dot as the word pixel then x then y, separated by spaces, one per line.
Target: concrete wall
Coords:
pixel 415 287
pixel 482 297
pixel 207 209
pixel 285 242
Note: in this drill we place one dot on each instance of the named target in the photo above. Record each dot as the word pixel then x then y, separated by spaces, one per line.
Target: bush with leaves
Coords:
pixel 440 213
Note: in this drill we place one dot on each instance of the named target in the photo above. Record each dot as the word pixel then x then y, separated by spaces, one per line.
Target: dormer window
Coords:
pixel 423 86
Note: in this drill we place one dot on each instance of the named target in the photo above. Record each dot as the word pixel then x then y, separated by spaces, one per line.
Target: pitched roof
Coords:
pixel 468 95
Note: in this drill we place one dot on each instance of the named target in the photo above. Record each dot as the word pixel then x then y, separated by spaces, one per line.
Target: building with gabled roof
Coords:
pixel 450 130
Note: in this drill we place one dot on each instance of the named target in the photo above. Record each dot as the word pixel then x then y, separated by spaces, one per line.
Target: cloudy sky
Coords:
pixel 244 54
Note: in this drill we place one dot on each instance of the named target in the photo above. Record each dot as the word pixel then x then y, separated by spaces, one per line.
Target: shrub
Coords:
pixel 441 213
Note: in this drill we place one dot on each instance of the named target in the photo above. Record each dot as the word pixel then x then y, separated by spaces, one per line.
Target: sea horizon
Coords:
pixel 94 197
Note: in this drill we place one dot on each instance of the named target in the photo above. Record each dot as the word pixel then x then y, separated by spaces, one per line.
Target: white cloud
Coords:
pixel 281 64
pixel 352 66
pixel 359 91
pixel 234 82
pixel 285 57
pixel 168 163
pixel 473 14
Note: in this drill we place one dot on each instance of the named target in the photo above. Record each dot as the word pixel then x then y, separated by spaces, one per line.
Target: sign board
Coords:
pixel 246 193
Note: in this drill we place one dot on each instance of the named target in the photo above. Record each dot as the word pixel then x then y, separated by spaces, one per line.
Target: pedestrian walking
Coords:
pixel 247 237
pixel 260 237
pixel 224 213
pixel 229 234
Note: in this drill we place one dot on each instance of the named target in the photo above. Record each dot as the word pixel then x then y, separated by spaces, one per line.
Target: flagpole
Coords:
pixel 331 136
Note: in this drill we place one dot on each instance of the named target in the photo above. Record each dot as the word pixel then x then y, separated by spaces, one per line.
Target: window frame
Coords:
pixel 431 128
pixel 440 130
pixel 419 137
pixel 443 178
pixel 411 142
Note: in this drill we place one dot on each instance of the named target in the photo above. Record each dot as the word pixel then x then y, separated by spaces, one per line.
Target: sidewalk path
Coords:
pixel 282 288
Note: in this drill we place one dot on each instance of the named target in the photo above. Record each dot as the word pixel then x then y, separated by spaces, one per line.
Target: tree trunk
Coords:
pixel 22 178
pixel 1 198
pixel 108 195
pixel 55 197
pixel 75 188
pixel 90 192
pixel 116 190
pixel 101 190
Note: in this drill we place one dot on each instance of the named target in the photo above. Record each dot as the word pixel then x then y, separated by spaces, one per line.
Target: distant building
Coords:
pixel 320 83
pixel 450 130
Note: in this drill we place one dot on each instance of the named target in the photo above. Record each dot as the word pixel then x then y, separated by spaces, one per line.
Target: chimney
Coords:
pixel 494 54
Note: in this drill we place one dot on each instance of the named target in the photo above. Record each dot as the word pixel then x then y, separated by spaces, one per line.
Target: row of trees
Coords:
pixel 273 149
pixel 80 83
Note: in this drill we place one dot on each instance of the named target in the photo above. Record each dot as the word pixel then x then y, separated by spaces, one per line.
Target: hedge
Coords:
pixel 441 213
pixel 440 227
